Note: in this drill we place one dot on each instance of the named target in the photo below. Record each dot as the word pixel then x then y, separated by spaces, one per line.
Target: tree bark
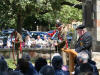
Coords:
pixel 19 23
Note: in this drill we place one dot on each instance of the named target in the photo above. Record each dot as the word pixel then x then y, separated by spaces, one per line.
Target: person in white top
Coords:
pixel 39 41
pixel 27 41
pixel 45 41
pixel 9 43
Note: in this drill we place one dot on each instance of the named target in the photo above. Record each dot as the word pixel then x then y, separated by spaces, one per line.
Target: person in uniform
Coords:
pixel 84 42
pixel 17 42
pixel 62 39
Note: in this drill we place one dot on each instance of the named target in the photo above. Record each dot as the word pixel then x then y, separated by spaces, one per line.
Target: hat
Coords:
pixel 80 27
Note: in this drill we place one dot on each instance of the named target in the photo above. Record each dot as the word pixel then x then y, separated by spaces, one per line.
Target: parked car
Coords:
pixel 8 31
pixel 5 37
pixel 6 34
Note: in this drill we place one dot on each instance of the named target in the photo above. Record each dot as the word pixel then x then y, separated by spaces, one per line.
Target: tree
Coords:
pixel 16 12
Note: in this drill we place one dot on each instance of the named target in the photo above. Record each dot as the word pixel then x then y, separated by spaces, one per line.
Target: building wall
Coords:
pixel 96 31
pixel 95 28
pixel 98 20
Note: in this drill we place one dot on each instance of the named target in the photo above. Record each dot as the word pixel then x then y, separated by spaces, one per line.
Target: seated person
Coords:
pixel 57 63
pixel 28 41
pixel 84 64
pixel 39 42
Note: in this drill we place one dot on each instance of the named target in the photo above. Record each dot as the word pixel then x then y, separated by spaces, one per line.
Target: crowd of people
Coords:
pixel 84 66
pixel 41 67
pixel 39 43
pixel 34 43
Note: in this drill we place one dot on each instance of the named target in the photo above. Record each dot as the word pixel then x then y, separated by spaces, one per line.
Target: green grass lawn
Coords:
pixel 11 64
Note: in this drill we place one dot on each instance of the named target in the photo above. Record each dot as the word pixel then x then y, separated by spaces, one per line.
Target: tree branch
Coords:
pixel 71 4
pixel 7 2
pixel 43 12
pixel 81 0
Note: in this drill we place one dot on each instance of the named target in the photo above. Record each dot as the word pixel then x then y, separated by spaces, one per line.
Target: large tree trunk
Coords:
pixel 20 20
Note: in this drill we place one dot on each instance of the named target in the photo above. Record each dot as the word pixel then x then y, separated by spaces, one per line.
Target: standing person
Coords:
pixel 84 42
pixel 62 32
pixel 17 42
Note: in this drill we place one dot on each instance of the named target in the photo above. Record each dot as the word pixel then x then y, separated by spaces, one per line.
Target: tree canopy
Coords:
pixel 29 13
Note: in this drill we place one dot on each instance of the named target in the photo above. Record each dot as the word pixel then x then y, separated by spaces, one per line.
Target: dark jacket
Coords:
pixel 31 70
pixel 93 64
pixel 87 67
pixel 47 70
pixel 84 43
pixel 61 72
